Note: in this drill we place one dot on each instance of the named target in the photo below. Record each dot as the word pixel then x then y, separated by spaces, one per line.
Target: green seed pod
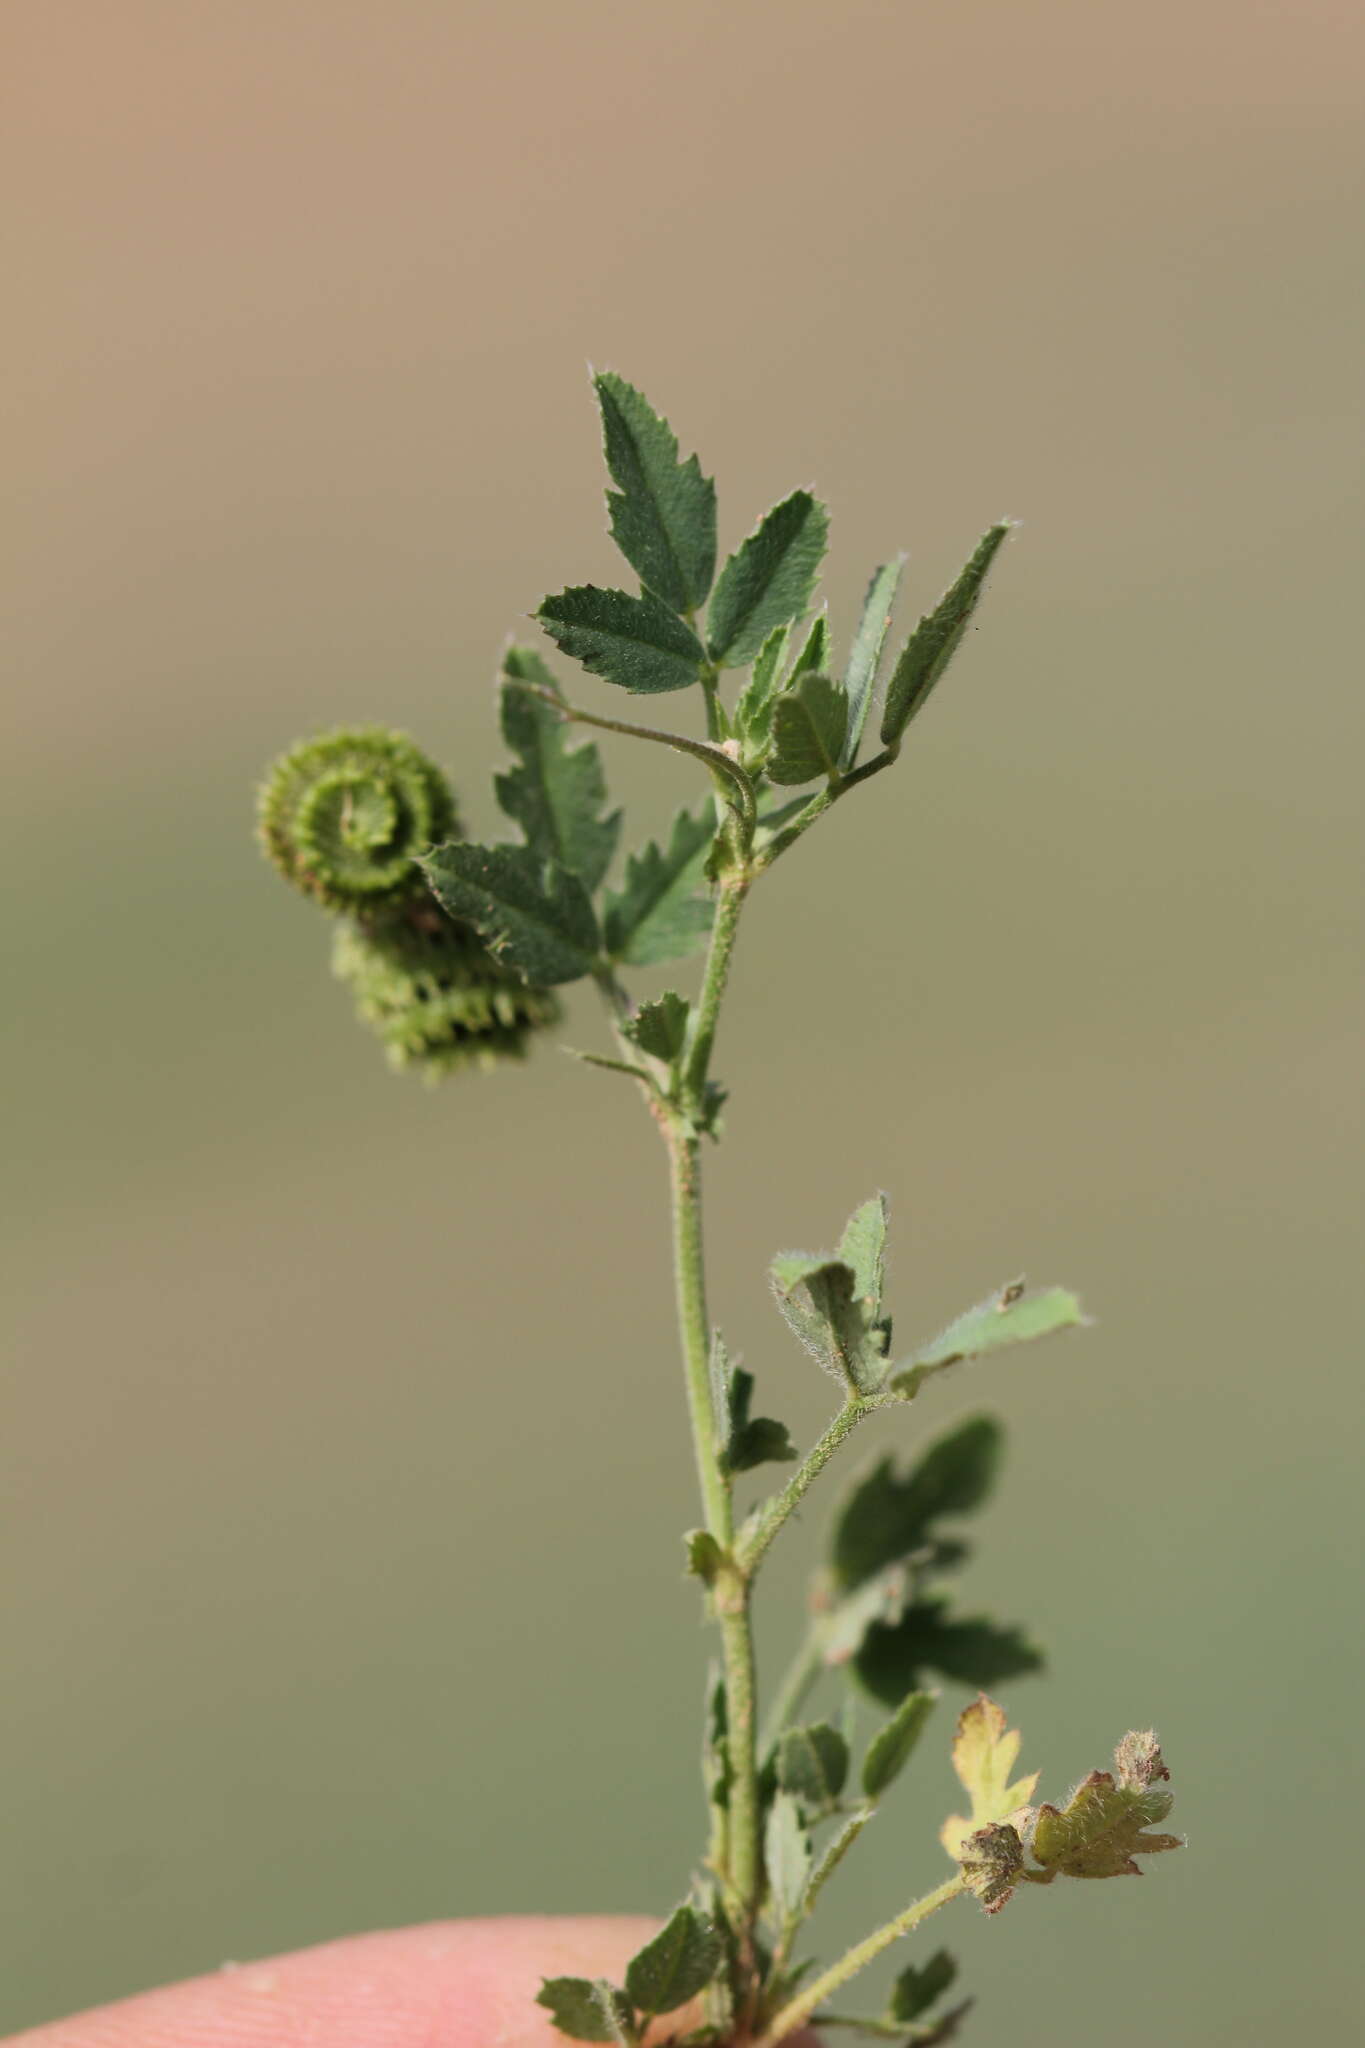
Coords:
pixel 434 994
pixel 343 815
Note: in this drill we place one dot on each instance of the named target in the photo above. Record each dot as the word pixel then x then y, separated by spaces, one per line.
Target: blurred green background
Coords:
pixel 344 1450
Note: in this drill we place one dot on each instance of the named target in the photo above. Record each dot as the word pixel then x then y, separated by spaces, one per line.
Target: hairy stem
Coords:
pixel 725 924
pixel 819 804
pixel 762 1527
pixel 799 2009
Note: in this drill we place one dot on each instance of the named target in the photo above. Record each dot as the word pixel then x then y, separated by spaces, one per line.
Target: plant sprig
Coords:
pixel 454 949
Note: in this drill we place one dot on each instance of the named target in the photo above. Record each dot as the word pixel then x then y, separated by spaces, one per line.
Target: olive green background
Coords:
pixel 344 1447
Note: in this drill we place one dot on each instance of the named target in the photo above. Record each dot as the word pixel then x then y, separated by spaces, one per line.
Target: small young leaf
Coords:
pixel 556 795
pixel 934 641
pixel 660 1028
pixel 816 652
pixel 749 1441
pixel 534 914
pixel 679 1962
pixel 704 1554
pixel 754 706
pixel 817 1299
pixel 809 726
pixel 892 1746
pixel 863 1247
pixel 915 1990
pixel 971 1650
pixel 575 2006
pixel 1008 1317
pixel 635 642
pixel 663 518
pixel 788 1856
pixel 768 580
pixel 812 1764
pixel 885 1517
pixel 861 675
pixel 657 915
pixel 985 1751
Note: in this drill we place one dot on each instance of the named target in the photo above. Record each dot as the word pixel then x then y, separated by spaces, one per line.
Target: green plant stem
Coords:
pixel 800 2008
pixel 738 786
pixel 818 805
pixel 706 1017
pixel 764 1525
pixel 797 1681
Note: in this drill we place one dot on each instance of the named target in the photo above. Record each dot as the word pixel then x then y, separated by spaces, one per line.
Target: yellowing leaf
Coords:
pixel 984 1753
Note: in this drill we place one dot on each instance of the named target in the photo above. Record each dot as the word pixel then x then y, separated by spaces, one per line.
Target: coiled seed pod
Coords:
pixel 343 815
pixel 434 994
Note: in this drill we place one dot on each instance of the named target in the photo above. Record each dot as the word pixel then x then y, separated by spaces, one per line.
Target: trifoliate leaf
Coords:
pixel 861 675
pixel 810 722
pixel 812 1764
pixel 557 793
pixel 1008 1317
pixel 576 2006
pixel 1101 1828
pixel 663 518
pixel 818 1301
pixel 768 580
pixel 660 1028
pixel 788 1855
pixel 985 1751
pixel 657 914
pixel 992 1860
pixel 635 642
pixel 916 1989
pixel 969 1649
pixel 533 914
pixel 886 1517
pixel 679 1962
pixel 935 640
pixel 891 1748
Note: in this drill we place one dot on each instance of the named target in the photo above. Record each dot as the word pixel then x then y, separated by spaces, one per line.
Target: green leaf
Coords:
pixel 886 1517
pixel 761 1441
pixel 881 1598
pixel 716 1769
pixel 817 1298
pixel 812 1764
pixel 891 1747
pixel 915 1990
pixel 1009 1316
pixel 524 665
pixel 809 724
pixel 534 914
pixel 576 2006
pixel 749 1441
pixel 680 1961
pixel 861 675
pixel 754 706
pixel 768 580
pixel 935 640
pixel 1100 1830
pixel 635 642
pixel 663 518
pixel 816 653
pixel 556 795
pixel 657 914
pixel 660 1028
pixel 788 1856
pixel 863 1248
pixel 704 1555
pixel 972 1651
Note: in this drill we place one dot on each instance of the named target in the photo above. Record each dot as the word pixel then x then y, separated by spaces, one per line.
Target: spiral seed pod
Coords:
pixel 435 995
pixel 343 815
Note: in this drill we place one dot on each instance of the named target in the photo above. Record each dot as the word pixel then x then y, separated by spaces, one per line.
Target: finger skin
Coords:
pixel 453 1984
